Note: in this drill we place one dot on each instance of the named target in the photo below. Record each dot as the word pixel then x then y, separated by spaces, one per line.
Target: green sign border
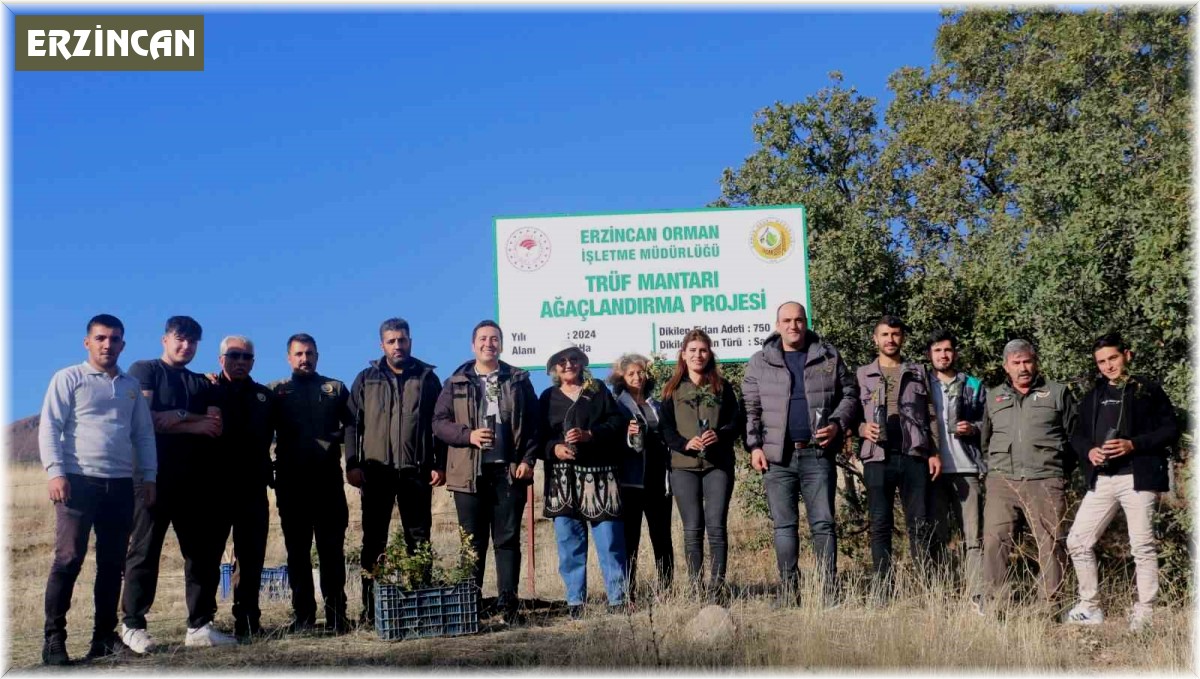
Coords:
pixel 748 208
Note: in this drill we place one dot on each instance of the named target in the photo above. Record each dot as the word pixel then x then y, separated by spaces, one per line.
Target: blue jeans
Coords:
pixel 803 475
pixel 572 538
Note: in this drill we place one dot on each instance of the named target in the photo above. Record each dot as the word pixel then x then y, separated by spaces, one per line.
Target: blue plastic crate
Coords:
pixel 274 582
pixel 432 612
pixel 226 579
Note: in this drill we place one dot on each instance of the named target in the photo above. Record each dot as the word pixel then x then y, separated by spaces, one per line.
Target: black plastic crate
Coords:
pixel 432 612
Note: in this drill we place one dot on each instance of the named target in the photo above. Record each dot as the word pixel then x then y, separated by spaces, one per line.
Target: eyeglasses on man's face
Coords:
pixel 239 356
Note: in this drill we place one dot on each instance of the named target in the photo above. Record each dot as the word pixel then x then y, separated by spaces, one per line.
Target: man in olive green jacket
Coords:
pixel 391 453
pixel 1026 436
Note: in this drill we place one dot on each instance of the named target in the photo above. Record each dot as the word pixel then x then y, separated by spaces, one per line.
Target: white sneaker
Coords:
pixel 1140 619
pixel 138 640
pixel 1081 615
pixel 207 636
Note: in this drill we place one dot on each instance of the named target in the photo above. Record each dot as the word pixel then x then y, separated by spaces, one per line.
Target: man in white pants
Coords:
pixel 1126 424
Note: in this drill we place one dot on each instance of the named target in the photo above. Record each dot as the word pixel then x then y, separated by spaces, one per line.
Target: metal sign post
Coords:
pixel 532 561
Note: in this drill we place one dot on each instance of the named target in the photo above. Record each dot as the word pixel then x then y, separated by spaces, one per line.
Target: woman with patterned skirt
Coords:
pixel 581 435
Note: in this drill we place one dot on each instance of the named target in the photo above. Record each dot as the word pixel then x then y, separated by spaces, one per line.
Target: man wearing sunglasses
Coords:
pixel 245 451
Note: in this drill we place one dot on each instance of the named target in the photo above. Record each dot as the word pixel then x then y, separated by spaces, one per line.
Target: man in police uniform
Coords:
pixel 245 449
pixel 310 414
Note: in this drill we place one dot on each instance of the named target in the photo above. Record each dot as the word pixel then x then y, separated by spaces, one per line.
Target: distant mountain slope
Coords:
pixel 22 441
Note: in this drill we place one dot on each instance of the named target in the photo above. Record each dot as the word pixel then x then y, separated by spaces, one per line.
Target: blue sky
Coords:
pixel 328 171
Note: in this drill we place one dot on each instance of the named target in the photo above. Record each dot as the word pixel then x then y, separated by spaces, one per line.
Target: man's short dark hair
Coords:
pixel 1110 339
pixel 394 325
pixel 108 321
pixel 891 321
pixel 489 323
pixel 941 335
pixel 184 326
pixel 303 338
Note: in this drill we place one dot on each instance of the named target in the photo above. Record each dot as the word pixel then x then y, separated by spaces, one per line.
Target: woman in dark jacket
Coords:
pixel 645 489
pixel 701 419
pixel 581 431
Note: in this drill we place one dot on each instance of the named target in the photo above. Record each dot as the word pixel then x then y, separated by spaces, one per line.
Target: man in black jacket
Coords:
pixel 310 417
pixel 391 453
pixel 1126 424
pixel 245 449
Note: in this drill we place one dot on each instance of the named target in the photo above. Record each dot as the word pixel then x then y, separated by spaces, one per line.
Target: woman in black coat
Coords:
pixel 645 489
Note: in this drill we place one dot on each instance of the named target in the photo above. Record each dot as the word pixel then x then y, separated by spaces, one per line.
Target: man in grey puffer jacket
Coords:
pixel 800 402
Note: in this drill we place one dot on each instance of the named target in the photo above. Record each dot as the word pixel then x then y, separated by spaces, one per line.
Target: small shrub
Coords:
pixel 421 568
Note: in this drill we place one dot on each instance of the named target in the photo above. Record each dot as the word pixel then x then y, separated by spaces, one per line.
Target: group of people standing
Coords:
pixel 131 454
pixel 945 443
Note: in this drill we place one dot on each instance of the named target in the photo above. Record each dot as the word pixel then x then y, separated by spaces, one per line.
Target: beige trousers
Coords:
pixel 1043 502
pixel 1097 510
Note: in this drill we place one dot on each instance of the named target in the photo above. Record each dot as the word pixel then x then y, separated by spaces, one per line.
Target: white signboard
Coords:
pixel 616 283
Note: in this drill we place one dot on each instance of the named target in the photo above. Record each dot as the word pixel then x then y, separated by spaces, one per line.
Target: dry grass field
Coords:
pixel 920 629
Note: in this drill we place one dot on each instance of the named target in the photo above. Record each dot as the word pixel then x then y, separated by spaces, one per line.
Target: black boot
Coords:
pixel 509 607
pixel 302 624
pixel 247 627
pixel 54 652
pixel 337 621
pixel 104 645
pixel 787 596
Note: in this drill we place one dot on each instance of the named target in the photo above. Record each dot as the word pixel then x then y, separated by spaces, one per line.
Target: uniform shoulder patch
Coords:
pixel 327 387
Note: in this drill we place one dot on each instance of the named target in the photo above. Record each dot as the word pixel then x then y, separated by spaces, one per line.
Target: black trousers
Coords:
pixel 703 500
pixel 312 504
pixel 107 506
pixel 247 518
pixel 653 503
pixel 909 475
pixel 383 488
pixel 495 509
pixel 184 501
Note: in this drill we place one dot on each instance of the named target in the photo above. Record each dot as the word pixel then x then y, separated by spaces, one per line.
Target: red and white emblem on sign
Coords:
pixel 528 249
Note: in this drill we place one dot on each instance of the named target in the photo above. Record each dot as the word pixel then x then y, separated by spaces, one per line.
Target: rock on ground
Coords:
pixel 712 625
